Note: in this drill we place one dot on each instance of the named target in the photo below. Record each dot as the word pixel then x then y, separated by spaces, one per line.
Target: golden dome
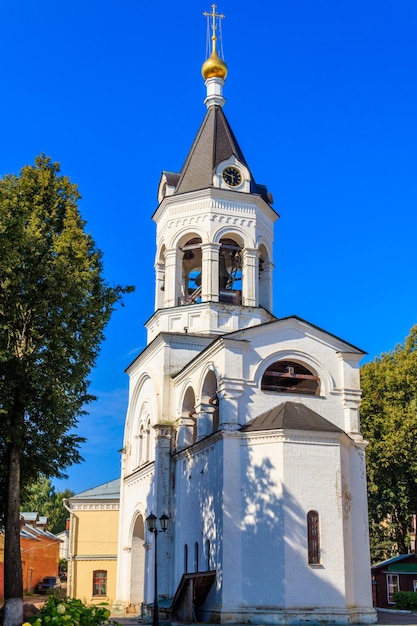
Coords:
pixel 214 67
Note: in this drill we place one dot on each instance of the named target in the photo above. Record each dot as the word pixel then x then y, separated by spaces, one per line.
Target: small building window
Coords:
pixel 100 583
pixel 313 538
pixel 185 559
pixel 208 548
pixel 393 586
pixel 196 557
pixel 290 377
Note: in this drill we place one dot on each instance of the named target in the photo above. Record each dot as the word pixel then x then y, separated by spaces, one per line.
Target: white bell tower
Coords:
pixel 214 230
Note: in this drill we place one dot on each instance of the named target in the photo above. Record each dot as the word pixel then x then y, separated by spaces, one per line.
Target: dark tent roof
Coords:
pixel 214 143
pixel 293 416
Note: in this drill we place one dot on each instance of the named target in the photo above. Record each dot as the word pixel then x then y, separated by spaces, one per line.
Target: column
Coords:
pixel 159 286
pixel 265 285
pixel 162 504
pixel 185 432
pixel 210 272
pixel 229 394
pixel 173 272
pixel 250 271
pixel 205 419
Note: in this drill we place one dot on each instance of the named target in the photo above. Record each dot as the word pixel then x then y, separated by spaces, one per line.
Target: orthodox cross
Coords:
pixel 213 16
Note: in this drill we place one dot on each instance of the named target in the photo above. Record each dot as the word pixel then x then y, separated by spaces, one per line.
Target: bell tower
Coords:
pixel 214 228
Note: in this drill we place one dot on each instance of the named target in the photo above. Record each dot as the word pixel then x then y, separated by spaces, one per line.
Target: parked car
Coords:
pixel 48 584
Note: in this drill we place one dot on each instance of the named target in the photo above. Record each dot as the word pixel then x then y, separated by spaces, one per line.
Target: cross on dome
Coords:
pixel 214 66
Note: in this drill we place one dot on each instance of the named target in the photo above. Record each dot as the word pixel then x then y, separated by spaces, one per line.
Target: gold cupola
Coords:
pixel 214 67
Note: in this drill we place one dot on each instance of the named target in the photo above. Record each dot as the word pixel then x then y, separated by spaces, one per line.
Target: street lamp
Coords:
pixel 151 523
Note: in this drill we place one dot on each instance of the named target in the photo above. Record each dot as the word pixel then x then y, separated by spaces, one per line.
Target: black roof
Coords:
pixel 214 143
pixel 293 416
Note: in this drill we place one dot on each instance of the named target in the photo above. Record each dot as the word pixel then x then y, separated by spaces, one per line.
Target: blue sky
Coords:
pixel 322 97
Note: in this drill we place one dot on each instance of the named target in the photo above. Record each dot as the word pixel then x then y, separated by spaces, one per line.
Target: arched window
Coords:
pixel 196 556
pixel 100 583
pixel 230 272
pixel 313 538
pixel 185 559
pixel 191 271
pixel 290 377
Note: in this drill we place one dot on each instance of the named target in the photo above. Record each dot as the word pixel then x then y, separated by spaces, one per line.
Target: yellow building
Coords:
pixel 92 555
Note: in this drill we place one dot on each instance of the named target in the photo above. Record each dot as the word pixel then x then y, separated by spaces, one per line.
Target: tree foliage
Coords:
pixel 42 498
pixel 54 306
pixel 389 423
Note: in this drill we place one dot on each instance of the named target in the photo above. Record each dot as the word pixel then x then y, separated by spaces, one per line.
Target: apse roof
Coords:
pixel 293 416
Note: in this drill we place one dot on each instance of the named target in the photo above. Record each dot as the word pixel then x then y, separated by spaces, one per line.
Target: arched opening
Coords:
pixel 209 395
pixel 265 279
pixel 137 565
pixel 191 271
pixel 160 279
pixel 188 412
pixel 290 377
pixel 230 271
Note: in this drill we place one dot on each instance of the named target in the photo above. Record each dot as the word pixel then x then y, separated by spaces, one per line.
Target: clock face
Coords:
pixel 232 176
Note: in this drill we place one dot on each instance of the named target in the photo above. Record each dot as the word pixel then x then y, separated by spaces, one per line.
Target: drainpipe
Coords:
pixel 70 540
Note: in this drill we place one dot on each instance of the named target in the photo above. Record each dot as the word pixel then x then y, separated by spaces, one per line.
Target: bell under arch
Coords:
pixel 230 271
pixel 191 266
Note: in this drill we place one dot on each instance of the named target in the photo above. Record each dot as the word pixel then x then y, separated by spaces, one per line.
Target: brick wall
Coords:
pixel 40 557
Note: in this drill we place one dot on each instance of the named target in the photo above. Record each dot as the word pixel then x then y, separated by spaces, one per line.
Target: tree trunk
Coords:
pixel 13 580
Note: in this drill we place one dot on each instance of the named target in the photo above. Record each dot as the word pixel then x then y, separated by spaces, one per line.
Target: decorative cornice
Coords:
pixel 295 436
pixel 95 557
pixel 143 474
pixel 95 506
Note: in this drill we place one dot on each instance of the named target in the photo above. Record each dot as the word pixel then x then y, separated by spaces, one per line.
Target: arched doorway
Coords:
pixel 137 576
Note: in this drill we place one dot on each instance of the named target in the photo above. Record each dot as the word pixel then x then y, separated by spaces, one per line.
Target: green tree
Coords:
pixel 389 423
pixel 42 498
pixel 54 306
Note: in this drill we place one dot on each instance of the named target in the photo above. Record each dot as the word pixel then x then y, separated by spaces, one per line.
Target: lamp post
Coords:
pixel 151 523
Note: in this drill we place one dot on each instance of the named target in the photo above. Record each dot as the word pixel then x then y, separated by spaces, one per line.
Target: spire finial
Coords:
pixel 213 16
pixel 214 67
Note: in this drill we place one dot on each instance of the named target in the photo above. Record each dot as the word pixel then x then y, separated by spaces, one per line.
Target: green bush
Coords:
pixel 67 612
pixel 406 600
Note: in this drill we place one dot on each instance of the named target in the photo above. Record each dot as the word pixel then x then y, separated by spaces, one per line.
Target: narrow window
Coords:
pixel 393 585
pixel 208 554
pixel 185 559
pixel 196 557
pixel 313 538
pixel 100 583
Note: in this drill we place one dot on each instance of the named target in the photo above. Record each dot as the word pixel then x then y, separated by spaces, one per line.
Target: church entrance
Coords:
pixel 137 563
